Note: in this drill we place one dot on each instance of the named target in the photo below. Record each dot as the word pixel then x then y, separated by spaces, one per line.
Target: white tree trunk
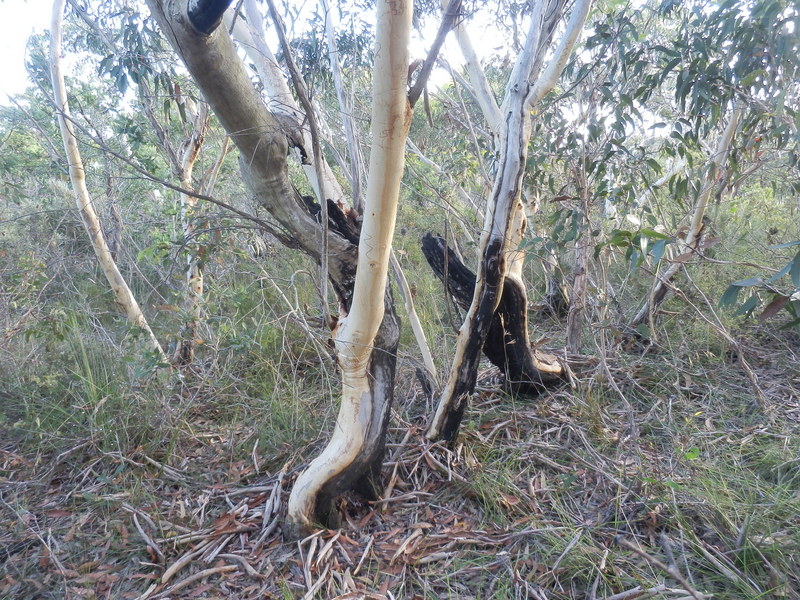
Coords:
pixel 480 84
pixel 367 333
pixel 189 151
pixel 505 218
pixel 355 333
pixel 91 222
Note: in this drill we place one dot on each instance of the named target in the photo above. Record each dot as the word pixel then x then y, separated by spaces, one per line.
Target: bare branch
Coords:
pixel 302 93
pixel 555 67
pixel 451 14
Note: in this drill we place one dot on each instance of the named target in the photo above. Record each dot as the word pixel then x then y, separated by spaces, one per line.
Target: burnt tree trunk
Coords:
pixel 507 346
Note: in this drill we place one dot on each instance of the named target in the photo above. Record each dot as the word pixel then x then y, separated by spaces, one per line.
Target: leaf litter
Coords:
pixel 543 500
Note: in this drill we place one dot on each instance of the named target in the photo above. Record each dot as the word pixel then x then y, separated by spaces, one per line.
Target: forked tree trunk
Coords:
pixel 367 333
pixel 77 175
pixel 505 219
pixel 492 270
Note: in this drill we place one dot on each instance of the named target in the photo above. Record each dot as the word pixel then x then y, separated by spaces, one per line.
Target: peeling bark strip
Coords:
pixel 507 347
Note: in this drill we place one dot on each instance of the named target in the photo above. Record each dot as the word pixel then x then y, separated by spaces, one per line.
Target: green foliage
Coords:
pixel 788 300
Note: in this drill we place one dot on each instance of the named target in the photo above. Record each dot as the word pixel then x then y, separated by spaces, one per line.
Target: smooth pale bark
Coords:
pixel 91 222
pixel 353 149
pixel 260 138
pixel 355 333
pixel 250 37
pixel 481 89
pixel 367 333
pixel 505 219
pixel 660 288
pixel 552 73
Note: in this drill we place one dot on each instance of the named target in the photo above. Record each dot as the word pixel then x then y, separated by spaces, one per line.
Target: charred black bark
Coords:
pixel 506 345
pixel 364 475
pixel 206 15
pixel 554 302
pixel 344 221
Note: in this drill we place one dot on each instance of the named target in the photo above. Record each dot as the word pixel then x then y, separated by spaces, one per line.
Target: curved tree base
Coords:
pixel 362 438
pixel 526 370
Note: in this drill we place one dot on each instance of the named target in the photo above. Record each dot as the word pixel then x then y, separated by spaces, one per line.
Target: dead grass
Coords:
pixel 672 483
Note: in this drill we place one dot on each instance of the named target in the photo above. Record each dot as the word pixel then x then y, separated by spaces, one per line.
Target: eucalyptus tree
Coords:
pixel 720 78
pixel 122 292
pixel 354 250
pixel 499 259
pixel 735 69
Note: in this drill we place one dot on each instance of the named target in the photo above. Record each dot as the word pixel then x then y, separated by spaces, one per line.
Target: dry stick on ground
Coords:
pixel 671 571
pixel 192 578
pixel 638 592
pixel 150 543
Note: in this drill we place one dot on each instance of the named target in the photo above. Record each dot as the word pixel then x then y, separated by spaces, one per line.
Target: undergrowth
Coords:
pixel 662 458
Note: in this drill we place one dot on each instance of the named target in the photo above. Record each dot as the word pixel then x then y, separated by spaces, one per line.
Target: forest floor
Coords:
pixel 640 479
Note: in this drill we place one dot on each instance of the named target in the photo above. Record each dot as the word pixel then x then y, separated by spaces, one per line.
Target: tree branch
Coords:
pixel 302 93
pixel 451 14
pixel 480 84
pixel 555 67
